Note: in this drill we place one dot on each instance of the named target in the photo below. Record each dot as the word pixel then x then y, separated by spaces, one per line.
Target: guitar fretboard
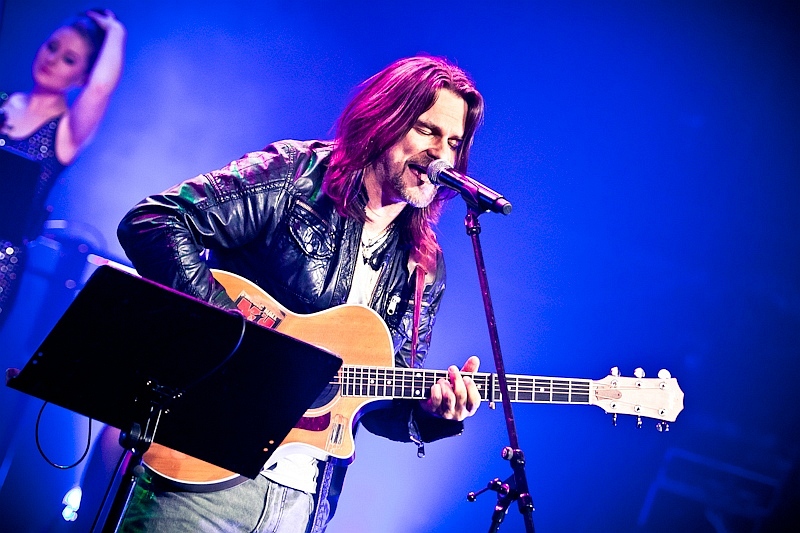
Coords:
pixel 405 383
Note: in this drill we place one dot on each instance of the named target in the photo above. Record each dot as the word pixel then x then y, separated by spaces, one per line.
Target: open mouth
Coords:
pixel 419 170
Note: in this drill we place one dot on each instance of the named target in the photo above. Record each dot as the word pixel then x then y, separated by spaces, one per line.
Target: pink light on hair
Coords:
pixel 381 113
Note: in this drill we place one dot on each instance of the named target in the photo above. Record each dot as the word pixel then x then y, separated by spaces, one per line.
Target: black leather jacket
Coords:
pixel 265 218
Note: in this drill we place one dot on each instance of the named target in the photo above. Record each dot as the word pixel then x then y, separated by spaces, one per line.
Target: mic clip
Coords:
pixel 476 194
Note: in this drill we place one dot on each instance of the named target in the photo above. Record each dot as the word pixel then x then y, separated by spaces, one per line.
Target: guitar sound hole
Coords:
pixel 326 396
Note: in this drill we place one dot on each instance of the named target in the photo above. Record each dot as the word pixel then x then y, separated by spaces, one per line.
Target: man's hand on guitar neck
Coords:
pixel 456 398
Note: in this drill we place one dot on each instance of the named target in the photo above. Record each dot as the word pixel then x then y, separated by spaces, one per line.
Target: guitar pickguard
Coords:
pixel 314 423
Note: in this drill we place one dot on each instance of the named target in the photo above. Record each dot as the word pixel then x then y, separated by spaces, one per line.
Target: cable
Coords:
pixel 44 455
pixel 227 358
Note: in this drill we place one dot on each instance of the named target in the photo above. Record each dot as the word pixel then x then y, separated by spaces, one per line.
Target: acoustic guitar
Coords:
pixel 360 337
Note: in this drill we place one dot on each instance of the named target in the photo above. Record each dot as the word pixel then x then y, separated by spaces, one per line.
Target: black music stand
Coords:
pixel 139 357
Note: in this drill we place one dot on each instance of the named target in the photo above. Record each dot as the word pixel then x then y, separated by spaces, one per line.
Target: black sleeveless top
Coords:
pixel 41 147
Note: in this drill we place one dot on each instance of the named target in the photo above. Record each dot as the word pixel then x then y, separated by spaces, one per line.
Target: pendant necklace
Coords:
pixel 372 249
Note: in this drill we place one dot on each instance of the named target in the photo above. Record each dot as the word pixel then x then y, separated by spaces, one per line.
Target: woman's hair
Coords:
pixel 91 32
pixel 386 107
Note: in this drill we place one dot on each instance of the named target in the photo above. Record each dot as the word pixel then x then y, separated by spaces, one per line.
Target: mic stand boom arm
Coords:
pixel 518 488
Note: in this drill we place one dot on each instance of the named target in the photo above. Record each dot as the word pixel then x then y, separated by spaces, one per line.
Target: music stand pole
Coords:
pixel 136 442
pixel 518 490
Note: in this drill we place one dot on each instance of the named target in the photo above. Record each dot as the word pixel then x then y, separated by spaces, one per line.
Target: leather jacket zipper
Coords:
pixel 392 308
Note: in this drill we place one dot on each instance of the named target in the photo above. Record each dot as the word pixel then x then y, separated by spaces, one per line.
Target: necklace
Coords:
pixel 372 249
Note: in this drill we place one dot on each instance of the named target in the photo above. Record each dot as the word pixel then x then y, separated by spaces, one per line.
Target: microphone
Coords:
pixel 440 172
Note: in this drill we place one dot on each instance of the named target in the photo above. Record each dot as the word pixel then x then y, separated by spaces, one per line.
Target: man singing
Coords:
pixel 318 224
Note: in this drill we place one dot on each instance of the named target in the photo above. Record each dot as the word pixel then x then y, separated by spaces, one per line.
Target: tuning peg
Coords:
pixel 615 371
pixel 639 422
pixel 664 374
pixel 662 426
pixel 639 372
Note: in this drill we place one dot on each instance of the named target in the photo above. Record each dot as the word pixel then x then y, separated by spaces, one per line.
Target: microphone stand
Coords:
pixel 516 487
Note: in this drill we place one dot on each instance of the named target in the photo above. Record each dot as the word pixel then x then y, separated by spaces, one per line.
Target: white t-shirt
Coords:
pixel 298 470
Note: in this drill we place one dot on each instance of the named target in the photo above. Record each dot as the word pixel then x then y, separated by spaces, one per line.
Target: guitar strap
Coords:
pixel 419 286
pixel 323 509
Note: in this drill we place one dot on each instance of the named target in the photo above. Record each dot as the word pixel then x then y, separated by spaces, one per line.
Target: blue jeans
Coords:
pixel 257 506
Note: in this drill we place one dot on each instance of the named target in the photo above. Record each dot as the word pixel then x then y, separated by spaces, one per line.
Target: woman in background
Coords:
pixel 85 53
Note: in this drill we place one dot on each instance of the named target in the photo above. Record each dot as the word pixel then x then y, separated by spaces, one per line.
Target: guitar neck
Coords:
pixel 405 383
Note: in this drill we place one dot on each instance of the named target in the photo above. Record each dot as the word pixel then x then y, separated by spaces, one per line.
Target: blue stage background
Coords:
pixel 650 150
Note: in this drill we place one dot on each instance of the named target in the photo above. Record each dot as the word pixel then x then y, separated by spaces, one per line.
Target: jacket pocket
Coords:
pixel 302 253
pixel 311 234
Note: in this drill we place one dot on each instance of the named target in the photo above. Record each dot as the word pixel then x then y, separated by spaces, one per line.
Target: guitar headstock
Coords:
pixel 660 398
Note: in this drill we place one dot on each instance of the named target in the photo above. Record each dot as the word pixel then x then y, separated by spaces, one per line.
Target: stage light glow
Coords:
pixel 69 514
pixel 72 501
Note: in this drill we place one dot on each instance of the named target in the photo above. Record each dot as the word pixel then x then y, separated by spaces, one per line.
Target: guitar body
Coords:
pixel 355 333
